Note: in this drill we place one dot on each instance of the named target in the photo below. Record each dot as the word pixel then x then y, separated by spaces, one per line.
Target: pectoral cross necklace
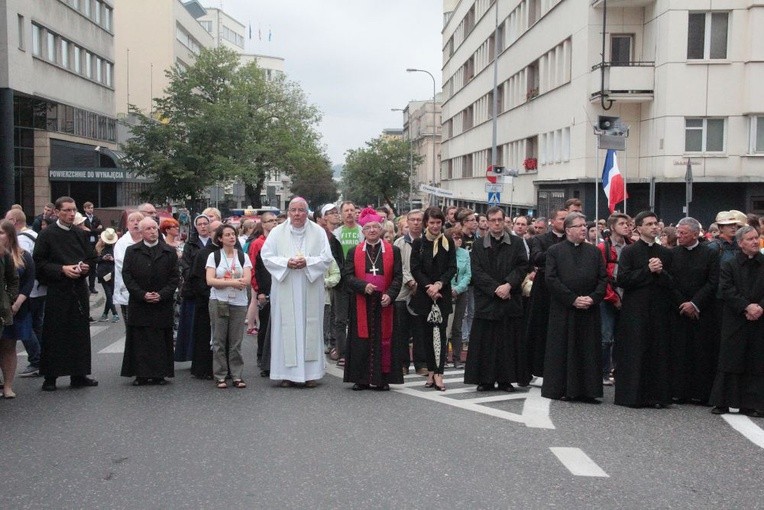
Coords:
pixel 374 269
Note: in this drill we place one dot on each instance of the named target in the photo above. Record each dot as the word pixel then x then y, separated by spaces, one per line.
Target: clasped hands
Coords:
pixel 688 309
pixel 503 291
pixel 433 290
pixel 370 288
pixel 151 297
pixel 583 302
pixel 75 270
pixel 753 312
pixel 655 265
pixel 297 263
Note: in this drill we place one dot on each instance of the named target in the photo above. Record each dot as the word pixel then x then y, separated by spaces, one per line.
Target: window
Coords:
pixel 98 70
pixel 65 53
pixel 207 25
pixel 620 49
pixel 707 35
pixel 76 60
pixel 107 17
pixel 88 64
pixel 86 8
pixel 22 35
pixel 36 40
pixel 97 12
pixel 108 73
pixel 704 135
pixel 757 134
pixel 51 40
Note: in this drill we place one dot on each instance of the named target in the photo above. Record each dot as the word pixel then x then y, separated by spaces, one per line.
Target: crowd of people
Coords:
pixel 667 314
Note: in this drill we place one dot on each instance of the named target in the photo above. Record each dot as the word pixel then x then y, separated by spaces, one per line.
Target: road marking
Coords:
pixel 578 463
pixel 117 347
pixel 747 427
pixel 96 329
pixel 535 412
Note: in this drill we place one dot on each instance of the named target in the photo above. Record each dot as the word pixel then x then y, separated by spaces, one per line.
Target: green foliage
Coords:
pixel 379 172
pixel 220 121
pixel 315 183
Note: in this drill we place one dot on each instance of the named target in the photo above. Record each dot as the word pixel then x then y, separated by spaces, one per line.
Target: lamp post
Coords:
pixel 433 200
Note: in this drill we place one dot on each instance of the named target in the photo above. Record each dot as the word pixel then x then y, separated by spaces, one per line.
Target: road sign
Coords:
pixel 490 175
pixel 438 192
pixel 493 188
pixel 494 198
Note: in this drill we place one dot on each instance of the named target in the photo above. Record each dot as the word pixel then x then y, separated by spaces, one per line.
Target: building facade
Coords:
pixel 422 128
pixel 57 103
pixel 671 71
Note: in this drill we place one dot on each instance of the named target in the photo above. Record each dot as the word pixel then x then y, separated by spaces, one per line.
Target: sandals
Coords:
pixel 239 383
pixel 221 384
pixel 252 331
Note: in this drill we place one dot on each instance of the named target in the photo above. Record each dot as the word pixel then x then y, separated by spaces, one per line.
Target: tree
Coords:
pixel 315 183
pixel 379 172
pixel 218 122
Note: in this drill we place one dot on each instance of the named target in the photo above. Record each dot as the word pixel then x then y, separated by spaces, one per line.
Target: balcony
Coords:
pixel 630 82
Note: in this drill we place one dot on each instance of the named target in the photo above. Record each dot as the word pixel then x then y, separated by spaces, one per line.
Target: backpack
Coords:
pixel 238 252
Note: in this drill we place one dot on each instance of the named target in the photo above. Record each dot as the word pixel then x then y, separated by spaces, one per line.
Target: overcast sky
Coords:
pixel 350 57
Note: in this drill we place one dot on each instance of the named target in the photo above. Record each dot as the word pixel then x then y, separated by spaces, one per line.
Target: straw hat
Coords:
pixel 725 218
pixel 109 236
pixel 740 217
pixel 79 219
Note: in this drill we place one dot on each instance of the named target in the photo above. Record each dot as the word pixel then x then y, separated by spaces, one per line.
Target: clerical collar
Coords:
pixel 151 245
pixel 58 222
pixel 297 230
pixel 558 235
pixel 378 243
pixel 574 243
pixel 690 248
pixel 647 242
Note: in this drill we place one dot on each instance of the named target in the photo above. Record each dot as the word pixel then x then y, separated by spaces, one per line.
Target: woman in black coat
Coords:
pixel 433 265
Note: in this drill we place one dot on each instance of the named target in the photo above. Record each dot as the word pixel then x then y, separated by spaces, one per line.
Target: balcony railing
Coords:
pixel 626 82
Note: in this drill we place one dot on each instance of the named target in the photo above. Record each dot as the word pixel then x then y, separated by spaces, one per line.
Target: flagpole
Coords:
pixel 597 179
pixel 623 176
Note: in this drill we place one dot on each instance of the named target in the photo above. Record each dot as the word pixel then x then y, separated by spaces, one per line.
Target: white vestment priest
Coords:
pixel 297 301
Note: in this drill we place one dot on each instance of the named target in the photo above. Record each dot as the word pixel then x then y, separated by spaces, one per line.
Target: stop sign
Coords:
pixel 490 175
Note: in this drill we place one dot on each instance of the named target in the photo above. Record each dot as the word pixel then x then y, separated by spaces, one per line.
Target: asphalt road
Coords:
pixel 190 445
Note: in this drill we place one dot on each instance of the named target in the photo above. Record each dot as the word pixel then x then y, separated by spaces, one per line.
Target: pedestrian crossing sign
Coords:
pixel 494 198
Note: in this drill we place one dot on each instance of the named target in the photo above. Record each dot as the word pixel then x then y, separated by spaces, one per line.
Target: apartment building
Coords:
pixel 421 127
pixel 683 76
pixel 57 103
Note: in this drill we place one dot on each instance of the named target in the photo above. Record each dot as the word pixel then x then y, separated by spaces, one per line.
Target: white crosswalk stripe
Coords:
pixel 117 347
pixel 535 412
pixel 578 462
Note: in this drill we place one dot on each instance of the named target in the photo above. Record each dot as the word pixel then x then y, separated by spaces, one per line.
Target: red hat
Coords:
pixel 369 215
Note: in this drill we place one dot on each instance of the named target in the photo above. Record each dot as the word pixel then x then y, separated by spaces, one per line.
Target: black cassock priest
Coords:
pixel 576 278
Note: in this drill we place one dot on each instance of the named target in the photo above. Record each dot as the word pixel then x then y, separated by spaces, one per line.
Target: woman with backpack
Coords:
pixel 229 271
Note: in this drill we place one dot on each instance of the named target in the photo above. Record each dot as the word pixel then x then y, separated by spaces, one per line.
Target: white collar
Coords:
pixel 151 245
pixel 58 222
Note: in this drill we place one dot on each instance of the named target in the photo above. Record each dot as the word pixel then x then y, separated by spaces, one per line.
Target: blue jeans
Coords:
pixel 33 342
pixel 609 317
pixel 469 314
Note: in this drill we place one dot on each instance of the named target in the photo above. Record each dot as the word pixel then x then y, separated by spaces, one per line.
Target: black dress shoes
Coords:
pixel 720 410
pixel 83 382
pixel 49 385
pixel 140 381
pixel 485 387
pixel 507 387
pixel 360 387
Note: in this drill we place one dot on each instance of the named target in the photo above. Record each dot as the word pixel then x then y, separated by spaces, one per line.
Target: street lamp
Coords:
pixel 412 70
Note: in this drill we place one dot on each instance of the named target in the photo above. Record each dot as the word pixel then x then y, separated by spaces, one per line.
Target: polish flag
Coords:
pixel 612 181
